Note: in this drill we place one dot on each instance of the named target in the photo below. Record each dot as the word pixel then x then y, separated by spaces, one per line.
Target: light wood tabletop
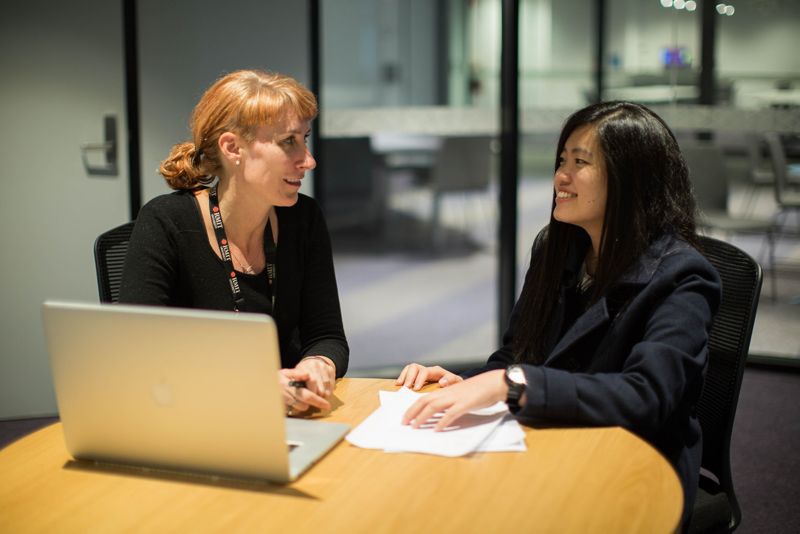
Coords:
pixel 569 480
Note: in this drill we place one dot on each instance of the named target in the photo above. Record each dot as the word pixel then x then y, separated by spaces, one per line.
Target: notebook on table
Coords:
pixel 184 390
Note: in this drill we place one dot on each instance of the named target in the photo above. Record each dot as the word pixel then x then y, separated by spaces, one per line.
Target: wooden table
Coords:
pixel 569 480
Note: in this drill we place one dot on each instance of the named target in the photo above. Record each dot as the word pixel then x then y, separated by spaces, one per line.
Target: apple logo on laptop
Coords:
pixel 162 393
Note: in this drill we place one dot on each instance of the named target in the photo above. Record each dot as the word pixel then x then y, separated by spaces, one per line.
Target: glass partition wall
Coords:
pixel 408 157
pixel 410 93
pixel 556 77
pixel 723 74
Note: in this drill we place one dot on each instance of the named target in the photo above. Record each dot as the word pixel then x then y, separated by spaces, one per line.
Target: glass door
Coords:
pixel 407 171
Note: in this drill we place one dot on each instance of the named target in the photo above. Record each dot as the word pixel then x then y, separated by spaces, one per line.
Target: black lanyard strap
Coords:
pixel 270 253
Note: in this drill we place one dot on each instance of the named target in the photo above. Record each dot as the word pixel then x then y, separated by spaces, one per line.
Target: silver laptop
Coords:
pixel 177 389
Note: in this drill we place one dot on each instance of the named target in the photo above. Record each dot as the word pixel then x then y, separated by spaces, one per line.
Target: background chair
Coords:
pixel 354 195
pixel 759 172
pixel 463 165
pixel 110 248
pixel 709 178
pixel 716 508
pixel 786 197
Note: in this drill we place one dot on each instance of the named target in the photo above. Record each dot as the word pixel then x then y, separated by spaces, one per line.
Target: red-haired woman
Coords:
pixel 237 234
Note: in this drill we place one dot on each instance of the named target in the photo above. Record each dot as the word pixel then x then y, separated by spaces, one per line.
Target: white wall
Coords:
pixel 61 65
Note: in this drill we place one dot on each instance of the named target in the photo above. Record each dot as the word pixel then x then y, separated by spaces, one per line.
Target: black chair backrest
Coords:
pixel 110 249
pixel 777 155
pixel 729 343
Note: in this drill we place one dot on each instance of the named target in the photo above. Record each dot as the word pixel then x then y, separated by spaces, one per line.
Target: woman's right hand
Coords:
pixel 299 399
pixel 415 376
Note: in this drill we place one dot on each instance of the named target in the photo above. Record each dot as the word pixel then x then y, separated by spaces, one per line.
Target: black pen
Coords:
pixel 297 383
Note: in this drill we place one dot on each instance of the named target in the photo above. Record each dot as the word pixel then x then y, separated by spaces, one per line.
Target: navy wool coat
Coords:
pixel 638 365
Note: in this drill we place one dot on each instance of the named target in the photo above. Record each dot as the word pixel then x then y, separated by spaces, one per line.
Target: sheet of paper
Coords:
pixel 507 437
pixel 476 431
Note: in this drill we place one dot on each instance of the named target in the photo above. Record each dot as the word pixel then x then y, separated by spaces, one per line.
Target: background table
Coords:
pixel 569 480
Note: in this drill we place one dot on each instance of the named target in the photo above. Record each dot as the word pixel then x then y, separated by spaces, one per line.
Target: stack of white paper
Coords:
pixel 488 430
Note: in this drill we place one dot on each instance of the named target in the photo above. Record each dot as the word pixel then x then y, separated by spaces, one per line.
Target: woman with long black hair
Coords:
pixel 611 327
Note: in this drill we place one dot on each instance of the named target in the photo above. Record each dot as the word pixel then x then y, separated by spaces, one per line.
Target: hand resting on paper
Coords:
pixel 477 392
pixel 414 376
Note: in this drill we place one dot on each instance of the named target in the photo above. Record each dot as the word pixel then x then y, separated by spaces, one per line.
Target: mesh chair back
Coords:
pixel 110 249
pixel 729 342
pixel 779 164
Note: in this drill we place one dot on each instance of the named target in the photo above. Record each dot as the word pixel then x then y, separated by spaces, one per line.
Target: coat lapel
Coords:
pixel 595 316
pixel 640 274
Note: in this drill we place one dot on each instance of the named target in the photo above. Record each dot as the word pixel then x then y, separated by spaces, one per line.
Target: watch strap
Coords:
pixel 515 391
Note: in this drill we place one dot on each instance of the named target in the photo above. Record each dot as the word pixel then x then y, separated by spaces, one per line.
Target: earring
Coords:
pixel 237 162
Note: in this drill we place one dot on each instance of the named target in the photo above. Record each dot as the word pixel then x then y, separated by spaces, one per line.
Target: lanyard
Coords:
pixel 270 253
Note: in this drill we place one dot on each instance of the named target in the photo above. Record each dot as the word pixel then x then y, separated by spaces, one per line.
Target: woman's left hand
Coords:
pixel 321 372
pixel 477 392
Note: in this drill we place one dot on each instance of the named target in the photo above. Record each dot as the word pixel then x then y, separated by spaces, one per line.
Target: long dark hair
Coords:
pixel 649 194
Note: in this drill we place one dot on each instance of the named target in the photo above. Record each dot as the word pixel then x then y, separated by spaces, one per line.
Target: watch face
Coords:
pixel 516 374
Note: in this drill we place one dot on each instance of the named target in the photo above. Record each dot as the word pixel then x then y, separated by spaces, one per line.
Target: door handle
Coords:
pixel 108 147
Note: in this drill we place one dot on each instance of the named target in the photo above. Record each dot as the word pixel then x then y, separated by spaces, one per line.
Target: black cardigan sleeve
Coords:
pixel 320 325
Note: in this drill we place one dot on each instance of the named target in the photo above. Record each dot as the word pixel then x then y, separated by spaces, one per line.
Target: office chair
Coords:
pixel 759 172
pixel 110 248
pixel 708 174
pixel 463 165
pixel 716 508
pixel 786 198
pixel 354 195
